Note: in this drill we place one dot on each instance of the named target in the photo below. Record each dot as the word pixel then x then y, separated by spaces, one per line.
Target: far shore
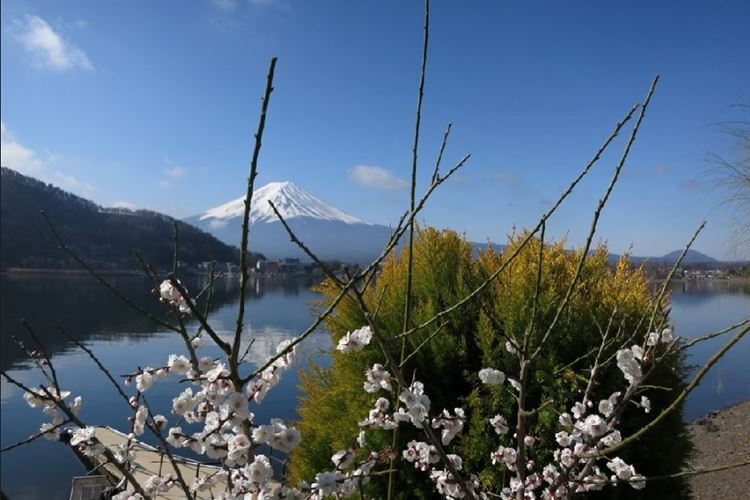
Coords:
pixel 733 279
pixel 108 272
pixel 134 272
pixel 23 271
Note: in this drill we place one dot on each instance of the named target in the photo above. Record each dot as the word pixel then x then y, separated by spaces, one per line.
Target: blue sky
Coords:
pixel 153 104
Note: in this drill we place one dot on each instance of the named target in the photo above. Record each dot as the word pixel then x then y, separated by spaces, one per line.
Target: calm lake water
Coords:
pixel 276 310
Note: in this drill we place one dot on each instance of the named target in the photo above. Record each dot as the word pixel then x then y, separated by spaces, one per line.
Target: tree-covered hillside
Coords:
pixel 105 237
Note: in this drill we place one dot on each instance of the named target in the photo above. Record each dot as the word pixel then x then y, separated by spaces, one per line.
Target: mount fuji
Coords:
pixel 330 233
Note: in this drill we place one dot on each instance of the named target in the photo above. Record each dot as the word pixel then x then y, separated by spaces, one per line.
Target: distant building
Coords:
pixel 272 267
pixel 290 266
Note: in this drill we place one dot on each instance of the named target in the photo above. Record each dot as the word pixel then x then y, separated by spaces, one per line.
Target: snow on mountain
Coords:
pixel 329 232
pixel 290 200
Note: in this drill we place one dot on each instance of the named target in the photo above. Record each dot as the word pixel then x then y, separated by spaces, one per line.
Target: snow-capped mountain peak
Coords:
pixel 290 200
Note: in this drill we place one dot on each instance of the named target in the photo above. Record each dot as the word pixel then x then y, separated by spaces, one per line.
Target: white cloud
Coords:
pixel 72 184
pixel 280 5
pixel 225 5
pixel 48 49
pixel 164 184
pixel 14 155
pixel 503 176
pixel 176 172
pixel 375 177
pixel 123 204
pixel 25 160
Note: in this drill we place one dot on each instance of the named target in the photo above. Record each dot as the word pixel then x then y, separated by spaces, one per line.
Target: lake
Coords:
pixel 276 310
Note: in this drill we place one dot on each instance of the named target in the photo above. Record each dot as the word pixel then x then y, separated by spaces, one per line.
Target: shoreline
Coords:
pixel 721 437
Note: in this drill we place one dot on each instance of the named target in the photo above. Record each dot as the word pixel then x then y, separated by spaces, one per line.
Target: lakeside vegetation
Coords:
pixel 606 298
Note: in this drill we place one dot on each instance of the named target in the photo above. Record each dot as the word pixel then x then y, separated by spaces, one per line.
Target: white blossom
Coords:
pixel 81 435
pixel 377 378
pixel 622 470
pixel 666 335
pixel 565 419
pixel 499 423
pixel 170 294
pixel 490 376
pixel 646 404
pixel 343 459
pixel 627 363
pixel 158 484
pixel 139 420
pixel 417 403
pixel 326 483
pixel 217 371
pixel 452 425
pixel 277 435
pixel 612 438
pixel 563 439
pixel 511 347
pixel 178 364
pixel 421 454
pixel 606 407
pixel 505 455
pixel 355 341
pixel 379 417
pixel 175 438
pixel 259 471
pixel 637 352
pixel 144 380
pixel 578 410
pixel 238 447
pixel 595 425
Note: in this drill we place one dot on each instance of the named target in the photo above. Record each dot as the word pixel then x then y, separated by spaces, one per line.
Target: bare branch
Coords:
pixel 246 214
pixel 104 282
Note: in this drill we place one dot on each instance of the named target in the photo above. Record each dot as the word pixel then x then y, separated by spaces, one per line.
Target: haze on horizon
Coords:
pixel 154 105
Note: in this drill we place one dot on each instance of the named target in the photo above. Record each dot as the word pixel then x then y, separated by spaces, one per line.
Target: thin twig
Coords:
pixel 436 172
pixel 728 329
pixel 176 256
pixel 98 363
pixel 246 213
pixel 531 233
pixel 424 342
pixel 34 437
pixel 44 352
pixel 600 206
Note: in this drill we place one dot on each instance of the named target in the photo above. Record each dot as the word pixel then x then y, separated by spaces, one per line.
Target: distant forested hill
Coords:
pixel 105 237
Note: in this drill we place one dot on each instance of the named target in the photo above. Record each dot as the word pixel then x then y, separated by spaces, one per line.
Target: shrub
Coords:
pixel 473 337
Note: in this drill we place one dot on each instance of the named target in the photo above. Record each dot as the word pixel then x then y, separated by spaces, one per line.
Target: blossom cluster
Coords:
pixel 269 377
pixel 47 400
pixel 172 296
pixel 355 341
